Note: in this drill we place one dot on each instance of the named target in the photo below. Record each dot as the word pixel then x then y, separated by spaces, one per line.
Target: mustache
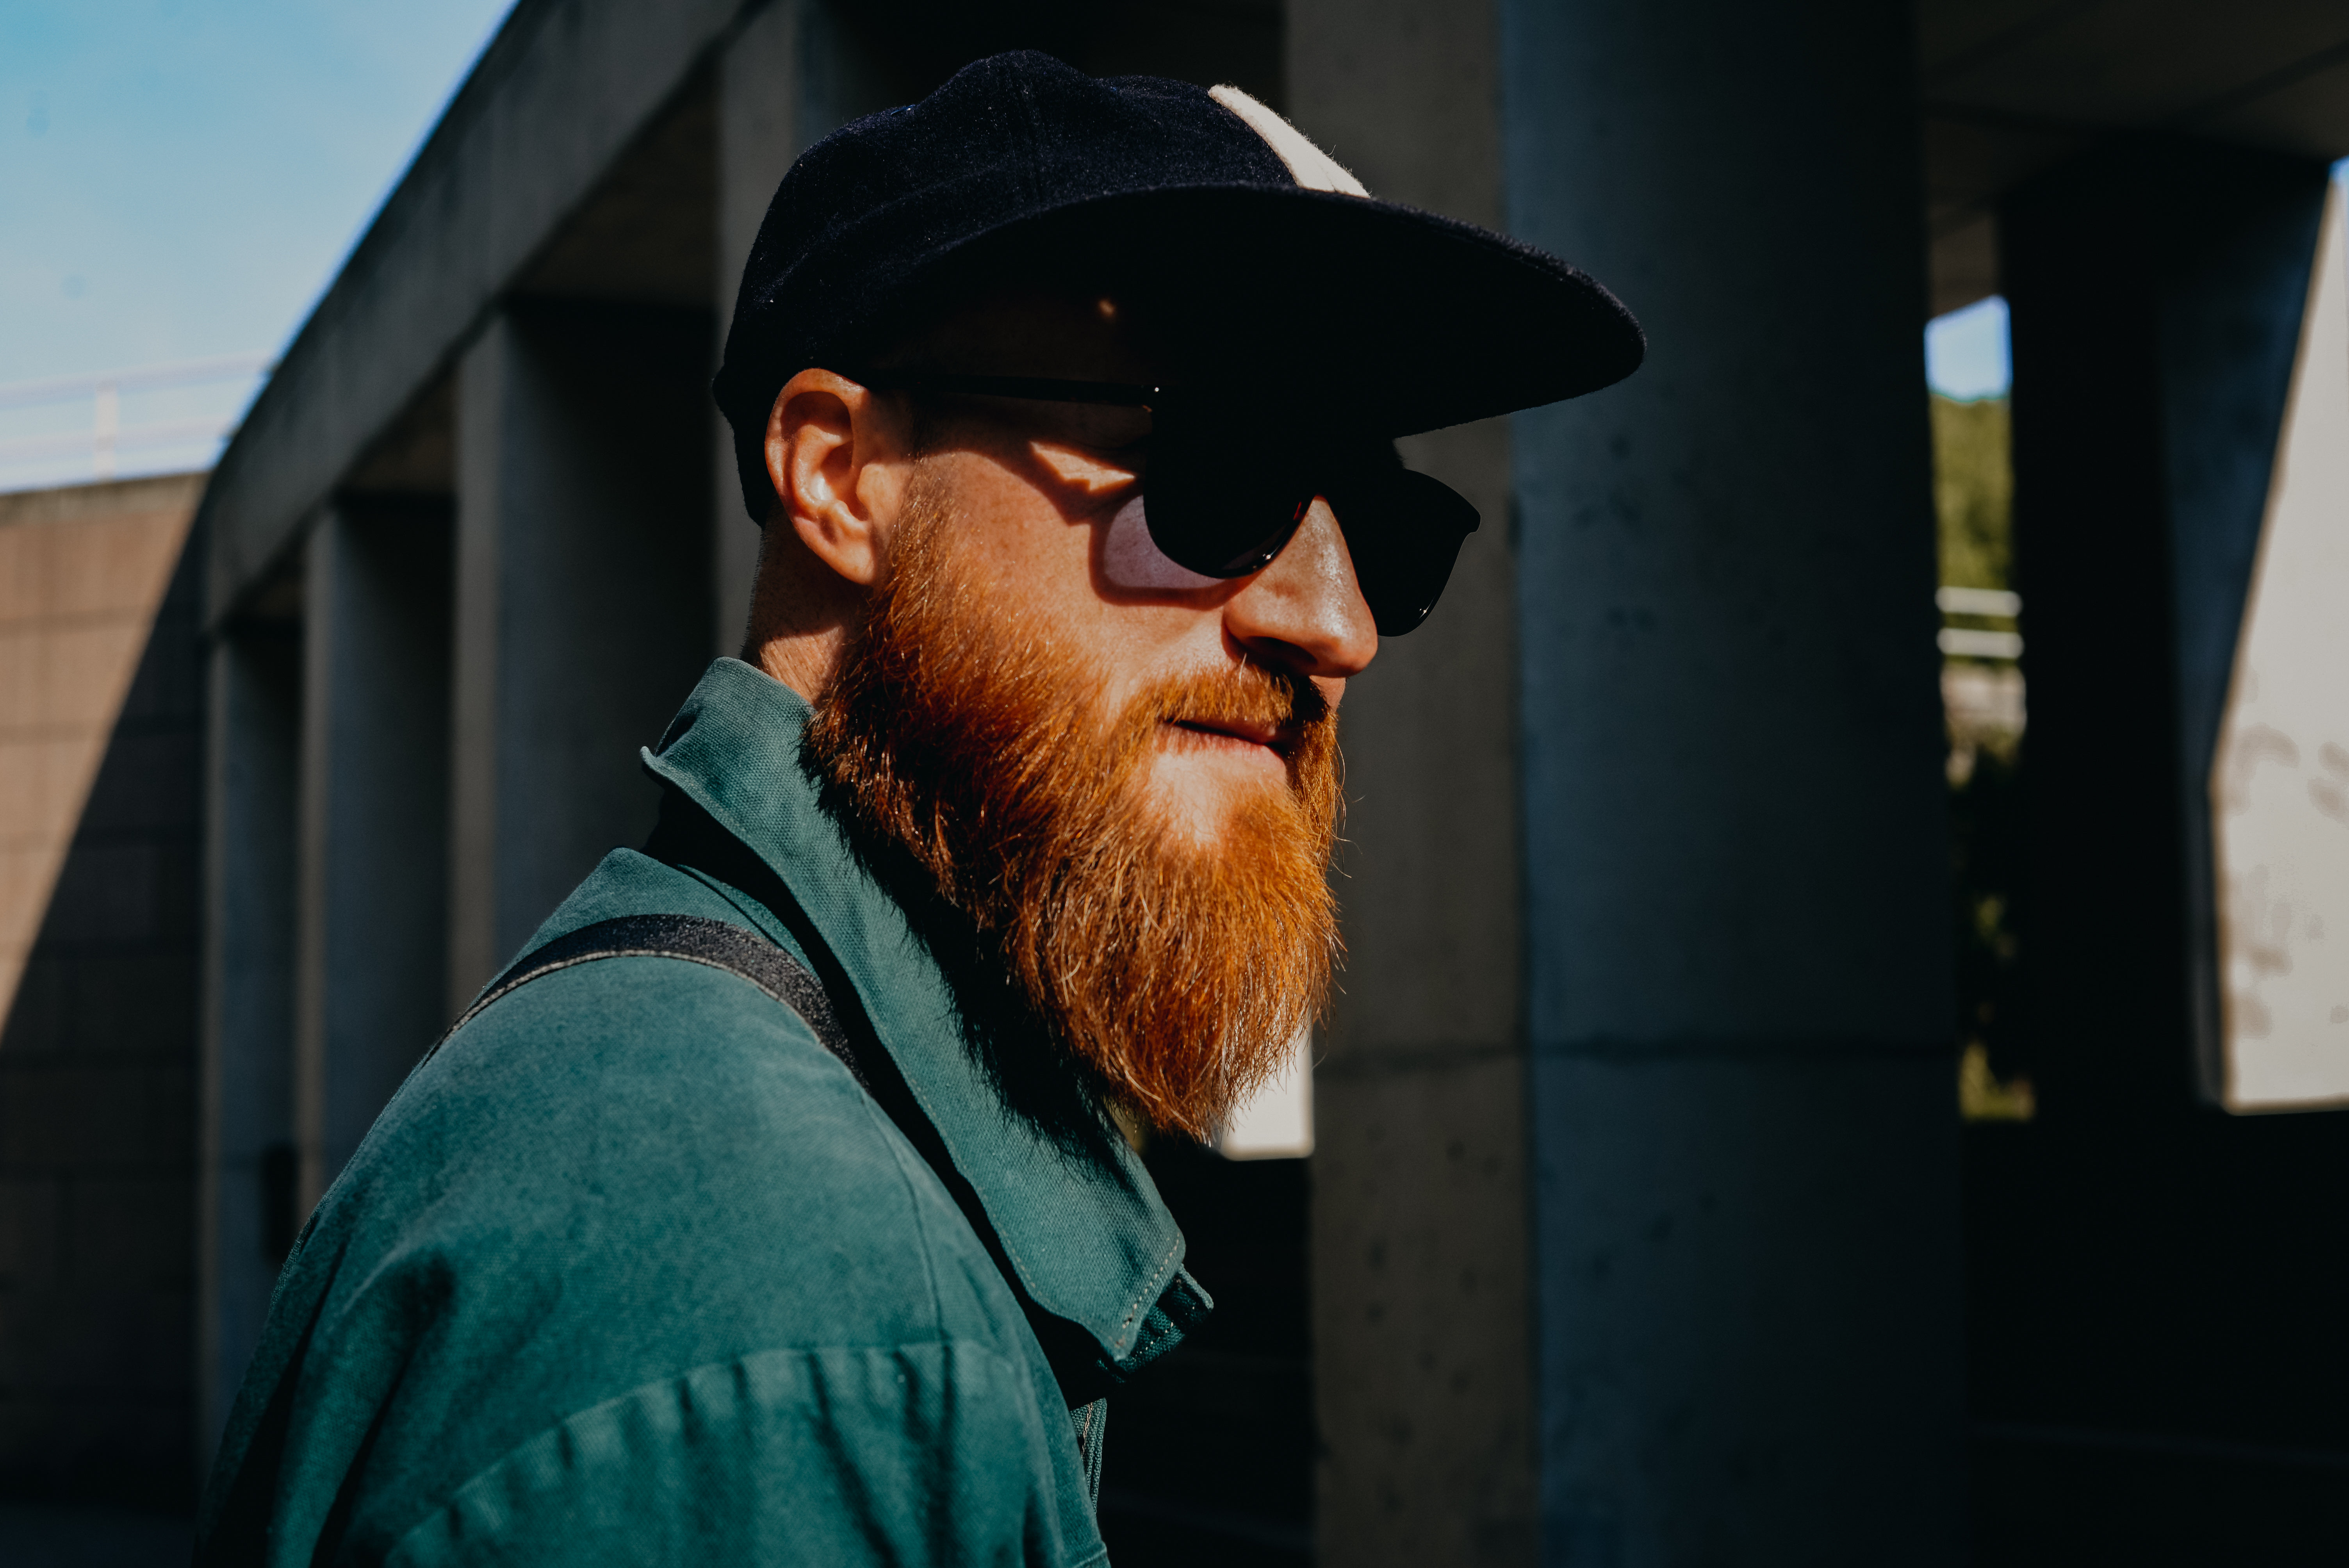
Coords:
pixel 1284 708
pixel 1027 747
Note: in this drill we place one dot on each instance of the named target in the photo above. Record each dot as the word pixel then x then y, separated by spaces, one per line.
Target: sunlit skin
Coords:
pixel 1034 487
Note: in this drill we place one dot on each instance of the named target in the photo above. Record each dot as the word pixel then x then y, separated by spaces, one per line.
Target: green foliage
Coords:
pixel 1986 886
pixel 1973 496
pixel 1973 492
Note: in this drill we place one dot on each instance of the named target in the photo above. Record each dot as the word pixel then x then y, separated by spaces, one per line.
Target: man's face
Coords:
pixel 1042 494
pixel 1122 774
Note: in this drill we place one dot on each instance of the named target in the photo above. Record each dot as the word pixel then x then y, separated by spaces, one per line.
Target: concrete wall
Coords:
pixel 99 747
pixel 81 573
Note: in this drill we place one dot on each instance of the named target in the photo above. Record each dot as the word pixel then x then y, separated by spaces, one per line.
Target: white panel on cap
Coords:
pixel 1312 167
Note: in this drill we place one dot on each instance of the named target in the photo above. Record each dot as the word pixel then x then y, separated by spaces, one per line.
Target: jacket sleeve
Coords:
pixel 901 1454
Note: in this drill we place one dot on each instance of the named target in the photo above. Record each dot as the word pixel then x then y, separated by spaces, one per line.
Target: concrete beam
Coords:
pixel 2009 93
pixel 566 86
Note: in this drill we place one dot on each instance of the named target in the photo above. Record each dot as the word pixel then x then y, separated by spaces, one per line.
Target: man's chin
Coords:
pixel 1197 794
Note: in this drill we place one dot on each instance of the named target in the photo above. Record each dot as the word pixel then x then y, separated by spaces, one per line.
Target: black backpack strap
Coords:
pixel 688 838
pixel 711 942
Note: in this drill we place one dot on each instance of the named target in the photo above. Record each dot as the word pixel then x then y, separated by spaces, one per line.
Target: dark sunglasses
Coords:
pixel 1223 500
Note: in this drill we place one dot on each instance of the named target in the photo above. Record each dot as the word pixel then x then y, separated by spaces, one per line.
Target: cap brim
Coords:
pixel 1408 320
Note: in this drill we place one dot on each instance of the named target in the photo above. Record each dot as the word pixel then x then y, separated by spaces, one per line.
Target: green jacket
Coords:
pixel 631 1270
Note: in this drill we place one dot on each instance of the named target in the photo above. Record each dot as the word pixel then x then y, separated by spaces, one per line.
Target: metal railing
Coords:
pixel 106 435
pixel 1973 642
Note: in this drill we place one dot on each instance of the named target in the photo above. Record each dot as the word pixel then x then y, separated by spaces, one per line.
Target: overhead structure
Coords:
pixel 2008 90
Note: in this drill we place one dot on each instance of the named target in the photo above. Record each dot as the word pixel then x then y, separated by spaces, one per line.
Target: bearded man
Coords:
pixel 773 1207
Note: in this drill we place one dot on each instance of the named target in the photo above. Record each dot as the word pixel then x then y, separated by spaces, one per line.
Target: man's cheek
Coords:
pixel 1131 558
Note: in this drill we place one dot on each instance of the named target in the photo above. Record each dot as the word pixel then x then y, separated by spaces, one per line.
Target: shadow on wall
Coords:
pixel 98 1048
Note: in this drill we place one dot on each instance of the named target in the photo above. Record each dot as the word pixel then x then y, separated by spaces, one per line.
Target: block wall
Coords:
pixel 102 709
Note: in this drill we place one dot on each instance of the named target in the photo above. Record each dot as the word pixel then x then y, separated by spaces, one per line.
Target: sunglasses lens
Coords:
pixel 1215 507
pixel 1404 531
pixel 1222 505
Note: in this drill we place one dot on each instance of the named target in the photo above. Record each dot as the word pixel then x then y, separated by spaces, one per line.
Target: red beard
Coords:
pixel 1177 966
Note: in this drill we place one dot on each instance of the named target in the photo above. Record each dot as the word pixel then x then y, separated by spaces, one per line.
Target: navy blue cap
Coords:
pixel 1273 265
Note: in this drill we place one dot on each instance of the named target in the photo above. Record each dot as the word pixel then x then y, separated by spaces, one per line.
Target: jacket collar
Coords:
pixel 1087 1234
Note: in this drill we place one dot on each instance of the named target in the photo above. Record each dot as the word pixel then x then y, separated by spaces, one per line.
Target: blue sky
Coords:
pixel 1965 351
pixel 179 178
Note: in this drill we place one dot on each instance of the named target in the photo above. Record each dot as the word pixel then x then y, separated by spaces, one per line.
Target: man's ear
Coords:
pixel 837 456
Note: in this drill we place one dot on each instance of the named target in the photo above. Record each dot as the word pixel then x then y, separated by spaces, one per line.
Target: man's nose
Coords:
pixel 1305 612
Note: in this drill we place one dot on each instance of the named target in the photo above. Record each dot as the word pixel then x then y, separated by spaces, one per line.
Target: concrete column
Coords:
pixel 245 1200
pixel 583 600
pixel 758 137
pixel 1745 1126
pixel 371 983
pixel 1422 1338
pixel 2159 302
pixel 2154 1301
pixel 792 72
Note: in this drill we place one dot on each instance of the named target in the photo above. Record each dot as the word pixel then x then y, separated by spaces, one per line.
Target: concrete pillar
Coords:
pixel 371 985
pixel 1422 1342
pixel 792 72
pixel 2160 301
pixel 583 600
pixel 245 1185
pixel 1744 1123
pixel 758 137
pixel 2154 1301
